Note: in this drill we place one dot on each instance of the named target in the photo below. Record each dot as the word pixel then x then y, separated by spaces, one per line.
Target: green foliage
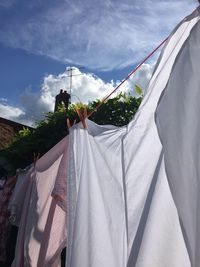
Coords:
pixel 48 132
pixel 138 90
pixel 116 111
pixel 24 132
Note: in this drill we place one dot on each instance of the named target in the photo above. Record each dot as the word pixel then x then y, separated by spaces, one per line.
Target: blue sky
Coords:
pixel 39 39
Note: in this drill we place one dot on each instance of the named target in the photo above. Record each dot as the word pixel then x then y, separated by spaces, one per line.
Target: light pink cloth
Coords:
pixel 19 253
pixel 42 230
pixel 60 189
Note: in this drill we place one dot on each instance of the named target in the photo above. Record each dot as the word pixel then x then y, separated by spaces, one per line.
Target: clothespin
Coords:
pixel 35 158
pixel 82 117
pixel 58 198
pixel 85 113
pixel 69 123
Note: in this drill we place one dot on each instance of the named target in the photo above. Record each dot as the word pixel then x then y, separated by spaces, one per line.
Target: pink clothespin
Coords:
pixel 82 117
pixel 69 123
pixel 35 158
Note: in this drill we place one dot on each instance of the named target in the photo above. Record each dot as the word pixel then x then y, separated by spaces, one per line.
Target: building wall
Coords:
pixel 6 135
pixel 8 129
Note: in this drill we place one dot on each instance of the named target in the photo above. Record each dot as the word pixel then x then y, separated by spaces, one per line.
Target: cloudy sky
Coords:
pixel 103 40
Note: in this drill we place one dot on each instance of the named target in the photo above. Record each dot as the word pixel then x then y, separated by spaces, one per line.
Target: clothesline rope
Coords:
pixel 125 79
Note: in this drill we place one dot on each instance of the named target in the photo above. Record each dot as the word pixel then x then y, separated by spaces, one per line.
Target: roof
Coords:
pixel 8 129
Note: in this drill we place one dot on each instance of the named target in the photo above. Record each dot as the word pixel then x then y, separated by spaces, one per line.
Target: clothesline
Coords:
pixel 125 79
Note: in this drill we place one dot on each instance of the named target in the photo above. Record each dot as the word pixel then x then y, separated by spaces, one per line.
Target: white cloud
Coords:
pixel 140 78
pixel 85 87
pixel 9 112
pixel 103 34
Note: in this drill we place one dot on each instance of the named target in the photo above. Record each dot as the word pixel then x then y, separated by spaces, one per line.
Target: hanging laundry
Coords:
pixel 26 196
pixel 103 229
pixel 178 126
pixel 142 144
pixel 121 210
pixel 96 225
pixel 18 195
pixel 59 192
pixel 112 183
pixel 4 215
pixel 42 229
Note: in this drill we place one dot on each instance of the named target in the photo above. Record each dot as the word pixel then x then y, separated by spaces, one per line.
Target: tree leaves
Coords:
pixel 138 90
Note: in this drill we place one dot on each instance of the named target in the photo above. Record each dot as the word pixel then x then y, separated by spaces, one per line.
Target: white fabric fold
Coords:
pixel 179 128
pixel 98 218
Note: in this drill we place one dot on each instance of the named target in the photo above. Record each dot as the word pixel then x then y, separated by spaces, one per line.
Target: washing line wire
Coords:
pixel 127 77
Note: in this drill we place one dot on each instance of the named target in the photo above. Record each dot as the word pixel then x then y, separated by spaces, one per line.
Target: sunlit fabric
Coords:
pixel 120 207
pixel 178 124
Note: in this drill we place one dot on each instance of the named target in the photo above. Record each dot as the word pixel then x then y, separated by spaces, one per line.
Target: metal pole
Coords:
pixel 70 71
pixel 70 81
